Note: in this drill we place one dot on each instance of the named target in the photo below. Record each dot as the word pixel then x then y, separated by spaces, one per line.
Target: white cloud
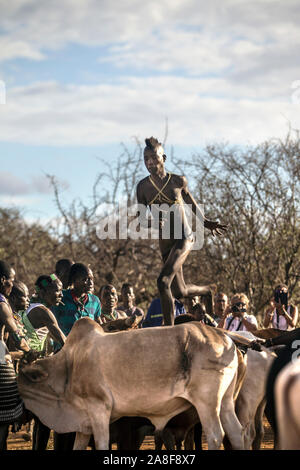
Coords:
pixel 17 201
pixel 194 35
pixel 15 188
pixel 217 70
pixel 198 110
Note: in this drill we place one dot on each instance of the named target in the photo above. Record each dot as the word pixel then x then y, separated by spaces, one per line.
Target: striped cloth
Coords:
pixel 11 404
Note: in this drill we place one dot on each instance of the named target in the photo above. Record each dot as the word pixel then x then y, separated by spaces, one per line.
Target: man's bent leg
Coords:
pixel 181 289
pixel 173 263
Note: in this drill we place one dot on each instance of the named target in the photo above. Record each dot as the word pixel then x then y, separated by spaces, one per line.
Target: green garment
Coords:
pixel 32 338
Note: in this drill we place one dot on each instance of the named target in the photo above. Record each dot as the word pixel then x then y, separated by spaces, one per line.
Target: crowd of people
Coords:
pixel 37 325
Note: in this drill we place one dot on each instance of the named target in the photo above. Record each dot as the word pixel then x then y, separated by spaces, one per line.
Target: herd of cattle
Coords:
pixel 172 382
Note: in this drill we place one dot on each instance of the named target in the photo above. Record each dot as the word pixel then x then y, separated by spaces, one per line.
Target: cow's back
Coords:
pixel 132 361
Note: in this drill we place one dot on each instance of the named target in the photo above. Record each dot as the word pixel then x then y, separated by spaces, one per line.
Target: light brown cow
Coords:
pixel 287 404
pixel 155 372
pixel 250 403
pixel 178 429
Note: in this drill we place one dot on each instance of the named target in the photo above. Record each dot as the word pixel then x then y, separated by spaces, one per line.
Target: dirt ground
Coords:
pixel 16 441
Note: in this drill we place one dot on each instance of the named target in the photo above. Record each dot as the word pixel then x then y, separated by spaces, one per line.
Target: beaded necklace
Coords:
pixel 110 316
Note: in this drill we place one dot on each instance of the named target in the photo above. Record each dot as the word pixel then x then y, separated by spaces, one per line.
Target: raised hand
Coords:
pixel 215 227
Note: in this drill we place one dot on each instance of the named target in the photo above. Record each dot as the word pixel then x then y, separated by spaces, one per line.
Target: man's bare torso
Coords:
pixel 167 206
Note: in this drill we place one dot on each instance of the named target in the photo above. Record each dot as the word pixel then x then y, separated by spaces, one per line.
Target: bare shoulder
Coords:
pixel 121 314
pixel 141 190
pixel 40 312
pixel 4 307
pixel 141 184
pixel 5 312
pixel 179 180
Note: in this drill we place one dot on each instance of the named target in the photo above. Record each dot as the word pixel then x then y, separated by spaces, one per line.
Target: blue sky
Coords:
pixel 82 76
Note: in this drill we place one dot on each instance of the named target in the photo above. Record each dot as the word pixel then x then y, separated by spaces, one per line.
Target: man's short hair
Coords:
pixel 63 265
pixel 220 294
pixel 5 269
pixel 17 289
pixel 78 270
pixel 126 285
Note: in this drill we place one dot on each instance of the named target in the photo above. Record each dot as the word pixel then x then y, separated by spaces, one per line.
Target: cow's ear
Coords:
pixel 35 373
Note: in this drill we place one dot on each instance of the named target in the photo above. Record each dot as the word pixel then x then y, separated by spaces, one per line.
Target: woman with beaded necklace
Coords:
pixel 109 301
pixel 38 321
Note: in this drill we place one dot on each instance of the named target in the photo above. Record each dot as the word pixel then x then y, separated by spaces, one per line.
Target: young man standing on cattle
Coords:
pixel 171 191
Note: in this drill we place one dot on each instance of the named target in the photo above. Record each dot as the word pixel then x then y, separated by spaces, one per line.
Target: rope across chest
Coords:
pixel 161 196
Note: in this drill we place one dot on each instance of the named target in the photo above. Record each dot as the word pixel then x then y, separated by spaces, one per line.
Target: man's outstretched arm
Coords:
pixel 214 226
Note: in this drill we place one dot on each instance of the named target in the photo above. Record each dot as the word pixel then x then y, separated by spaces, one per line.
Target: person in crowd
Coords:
pixel 200 315
pixel 220 305
pixel 109 301
pixel 39 322
pixel 280 314
pixel 127 299
pixel 154 315
pixel 189 302
pixel 235 317
pixel 77 300
pixel 19 301
pixel 62 271
pixel 11 404
pixel 38 319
